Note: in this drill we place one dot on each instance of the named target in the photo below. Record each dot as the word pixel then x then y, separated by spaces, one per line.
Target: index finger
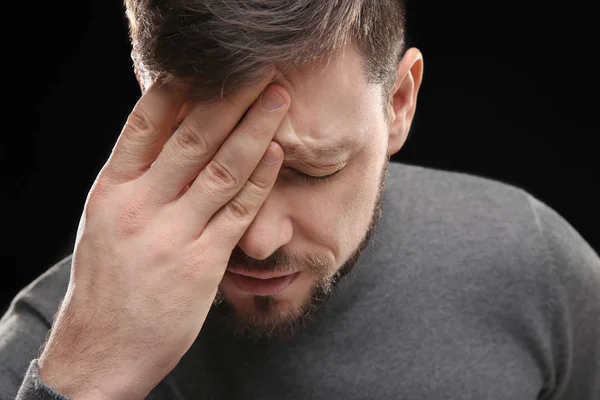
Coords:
pixel 146 130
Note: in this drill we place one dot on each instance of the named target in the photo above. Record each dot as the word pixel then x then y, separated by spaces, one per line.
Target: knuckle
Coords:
pixel 190 142
pixel 238 209
pixel 139 123
pixel 130 219
pixel 259 185
pixel 221 176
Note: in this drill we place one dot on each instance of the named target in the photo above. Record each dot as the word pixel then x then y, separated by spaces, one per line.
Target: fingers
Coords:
pixel 145 132
pixel 231 167
pixel 195 142
pixel 228 225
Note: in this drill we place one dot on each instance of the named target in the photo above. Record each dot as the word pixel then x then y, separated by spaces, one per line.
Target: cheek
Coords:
pixel 354 205
pixel 338 213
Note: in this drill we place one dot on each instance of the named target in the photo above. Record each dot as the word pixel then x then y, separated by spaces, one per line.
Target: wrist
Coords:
pixel 72 382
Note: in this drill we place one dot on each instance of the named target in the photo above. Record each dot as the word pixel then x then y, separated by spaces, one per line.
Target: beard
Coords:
pixel 267 320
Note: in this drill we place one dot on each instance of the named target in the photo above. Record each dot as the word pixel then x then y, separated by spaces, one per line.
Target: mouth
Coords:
pixel 261 284
pixel 259 274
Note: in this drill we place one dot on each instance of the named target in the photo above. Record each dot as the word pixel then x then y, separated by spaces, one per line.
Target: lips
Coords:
pixel 259 275
pixel 261 286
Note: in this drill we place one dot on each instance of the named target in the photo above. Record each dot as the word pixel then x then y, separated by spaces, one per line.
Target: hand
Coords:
pixel 157 230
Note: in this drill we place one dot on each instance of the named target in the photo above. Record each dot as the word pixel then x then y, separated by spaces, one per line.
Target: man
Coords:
pixel 247 237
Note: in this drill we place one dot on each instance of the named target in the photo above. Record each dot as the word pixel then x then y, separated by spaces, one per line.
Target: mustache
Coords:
pixel 279 261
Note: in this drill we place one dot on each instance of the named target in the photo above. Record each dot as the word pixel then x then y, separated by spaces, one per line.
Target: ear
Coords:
pixel 403 99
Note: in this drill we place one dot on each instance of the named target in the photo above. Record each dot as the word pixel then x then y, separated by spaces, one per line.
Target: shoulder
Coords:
pixel 490 230
pixel 473 207
pixel 457 211
pixel 445 195
pixel 468 259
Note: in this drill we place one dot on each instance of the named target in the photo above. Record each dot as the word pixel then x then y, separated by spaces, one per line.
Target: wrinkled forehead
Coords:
pixel 331 99
pixel 339 77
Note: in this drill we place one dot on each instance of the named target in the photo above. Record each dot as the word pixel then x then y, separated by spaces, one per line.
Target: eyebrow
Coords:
pixel 320 155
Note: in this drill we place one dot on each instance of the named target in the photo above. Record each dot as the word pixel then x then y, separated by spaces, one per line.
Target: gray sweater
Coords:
pixel 469 289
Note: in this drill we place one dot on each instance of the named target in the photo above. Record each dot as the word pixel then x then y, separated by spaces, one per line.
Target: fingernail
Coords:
pixel 271 101
pixel 271 156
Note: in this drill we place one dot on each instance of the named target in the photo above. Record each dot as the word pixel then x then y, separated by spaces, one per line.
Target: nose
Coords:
pixel 270 229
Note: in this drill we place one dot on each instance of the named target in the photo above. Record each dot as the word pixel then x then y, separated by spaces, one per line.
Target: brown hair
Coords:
pixel 223 45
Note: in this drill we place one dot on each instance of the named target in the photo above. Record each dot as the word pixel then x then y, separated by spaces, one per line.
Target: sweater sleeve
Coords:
pixel 23 330
pixel 574 307
pixel 33 388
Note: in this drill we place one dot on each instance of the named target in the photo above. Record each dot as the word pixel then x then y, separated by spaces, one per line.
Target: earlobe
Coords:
pixel 403 100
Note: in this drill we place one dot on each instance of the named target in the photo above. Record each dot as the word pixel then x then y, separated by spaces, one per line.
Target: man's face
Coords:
pixel 317 229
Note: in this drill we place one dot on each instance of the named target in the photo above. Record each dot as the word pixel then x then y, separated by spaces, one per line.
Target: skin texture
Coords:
pixel 171 206
pixel 320 229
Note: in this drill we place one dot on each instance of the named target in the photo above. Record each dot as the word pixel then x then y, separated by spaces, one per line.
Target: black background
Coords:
pixel 507 94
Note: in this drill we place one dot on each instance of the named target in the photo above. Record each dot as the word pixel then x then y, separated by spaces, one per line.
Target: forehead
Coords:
pixel 338 79
pixel 332 104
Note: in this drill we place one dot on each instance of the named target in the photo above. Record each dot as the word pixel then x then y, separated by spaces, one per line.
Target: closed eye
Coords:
pixel 315 180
